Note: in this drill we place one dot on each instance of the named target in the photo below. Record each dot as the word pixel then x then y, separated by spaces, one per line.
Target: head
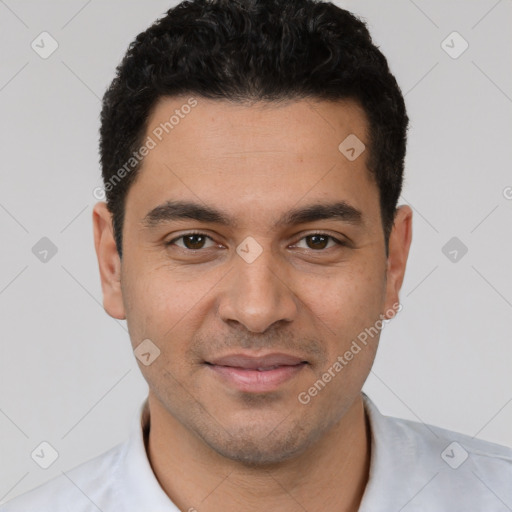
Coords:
pixel 252 154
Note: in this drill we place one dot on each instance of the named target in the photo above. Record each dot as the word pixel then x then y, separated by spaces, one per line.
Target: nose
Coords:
pixel 258 294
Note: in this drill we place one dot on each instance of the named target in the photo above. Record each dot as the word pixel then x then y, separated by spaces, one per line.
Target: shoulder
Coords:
pixel 452 448
pixel 433 468
pixel 81 489
pixel 474 472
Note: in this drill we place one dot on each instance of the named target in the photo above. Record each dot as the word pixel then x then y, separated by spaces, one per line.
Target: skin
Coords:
pixel 213 447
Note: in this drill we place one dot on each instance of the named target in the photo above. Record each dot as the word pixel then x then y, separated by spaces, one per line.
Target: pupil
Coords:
pixel 196 241
pixel 191 237
pixel 316 237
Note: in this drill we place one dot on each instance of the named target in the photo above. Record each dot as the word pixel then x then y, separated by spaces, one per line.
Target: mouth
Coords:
pixel 256 374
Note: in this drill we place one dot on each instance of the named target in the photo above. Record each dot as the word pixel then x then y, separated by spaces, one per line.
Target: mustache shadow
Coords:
pixel 205 347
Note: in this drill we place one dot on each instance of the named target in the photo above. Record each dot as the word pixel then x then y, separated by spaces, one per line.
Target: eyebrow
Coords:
pixel 180 210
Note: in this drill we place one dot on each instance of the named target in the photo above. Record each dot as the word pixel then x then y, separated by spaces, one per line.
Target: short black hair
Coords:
pixel 251 50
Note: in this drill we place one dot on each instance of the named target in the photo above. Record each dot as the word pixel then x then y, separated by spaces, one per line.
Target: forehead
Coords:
pixel 292 126
pixel 253 159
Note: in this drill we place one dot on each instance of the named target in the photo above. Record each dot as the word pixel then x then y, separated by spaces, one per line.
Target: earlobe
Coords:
pixel 399 243
pixel 108 261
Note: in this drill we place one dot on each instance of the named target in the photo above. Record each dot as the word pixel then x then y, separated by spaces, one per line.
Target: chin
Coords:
pixel 261 449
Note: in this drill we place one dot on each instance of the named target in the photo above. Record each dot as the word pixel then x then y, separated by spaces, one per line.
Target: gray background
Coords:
pixel 68 375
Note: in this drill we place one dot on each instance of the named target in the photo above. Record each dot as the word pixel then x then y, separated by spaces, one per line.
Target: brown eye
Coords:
pixel 191 241
pixel 317 241
pixel 320 241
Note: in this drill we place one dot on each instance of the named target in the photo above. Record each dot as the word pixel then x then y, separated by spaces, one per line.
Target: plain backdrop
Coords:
pixel 68 375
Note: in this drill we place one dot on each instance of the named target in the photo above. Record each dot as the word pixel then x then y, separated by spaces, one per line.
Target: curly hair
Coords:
pixel 250 50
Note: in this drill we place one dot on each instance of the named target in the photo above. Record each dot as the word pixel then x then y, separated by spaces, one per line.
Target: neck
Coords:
pixel 330 475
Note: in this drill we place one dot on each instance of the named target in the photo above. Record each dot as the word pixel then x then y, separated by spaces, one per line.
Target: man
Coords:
pixel 252 155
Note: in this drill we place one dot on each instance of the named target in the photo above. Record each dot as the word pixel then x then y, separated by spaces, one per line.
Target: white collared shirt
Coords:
pixel 413 468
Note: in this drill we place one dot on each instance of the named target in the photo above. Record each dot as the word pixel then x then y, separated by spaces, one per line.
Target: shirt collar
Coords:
pixel 137 483
pixel 404 456
pixel 141 490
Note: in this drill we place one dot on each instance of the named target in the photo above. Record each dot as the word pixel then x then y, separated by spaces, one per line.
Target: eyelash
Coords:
pixel 318 233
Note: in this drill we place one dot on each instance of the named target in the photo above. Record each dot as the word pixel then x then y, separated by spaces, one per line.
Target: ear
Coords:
pixel 399 244
pixel 108 261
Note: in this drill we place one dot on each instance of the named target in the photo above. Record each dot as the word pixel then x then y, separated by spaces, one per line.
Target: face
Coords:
pixel 253 257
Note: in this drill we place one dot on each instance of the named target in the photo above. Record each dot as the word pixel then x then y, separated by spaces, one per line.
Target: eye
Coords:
pixel 191 241
pixel 320 241
pixel 195 241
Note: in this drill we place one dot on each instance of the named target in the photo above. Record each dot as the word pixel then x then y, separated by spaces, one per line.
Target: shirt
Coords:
pixel 413 468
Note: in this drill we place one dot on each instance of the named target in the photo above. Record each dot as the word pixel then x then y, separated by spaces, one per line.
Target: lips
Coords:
pixel 262 363
pixel 256 374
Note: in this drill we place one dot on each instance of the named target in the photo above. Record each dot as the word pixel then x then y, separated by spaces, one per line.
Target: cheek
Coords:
pixel 159 310
pixel 349 300
pixel 349 306
pixel 162 305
